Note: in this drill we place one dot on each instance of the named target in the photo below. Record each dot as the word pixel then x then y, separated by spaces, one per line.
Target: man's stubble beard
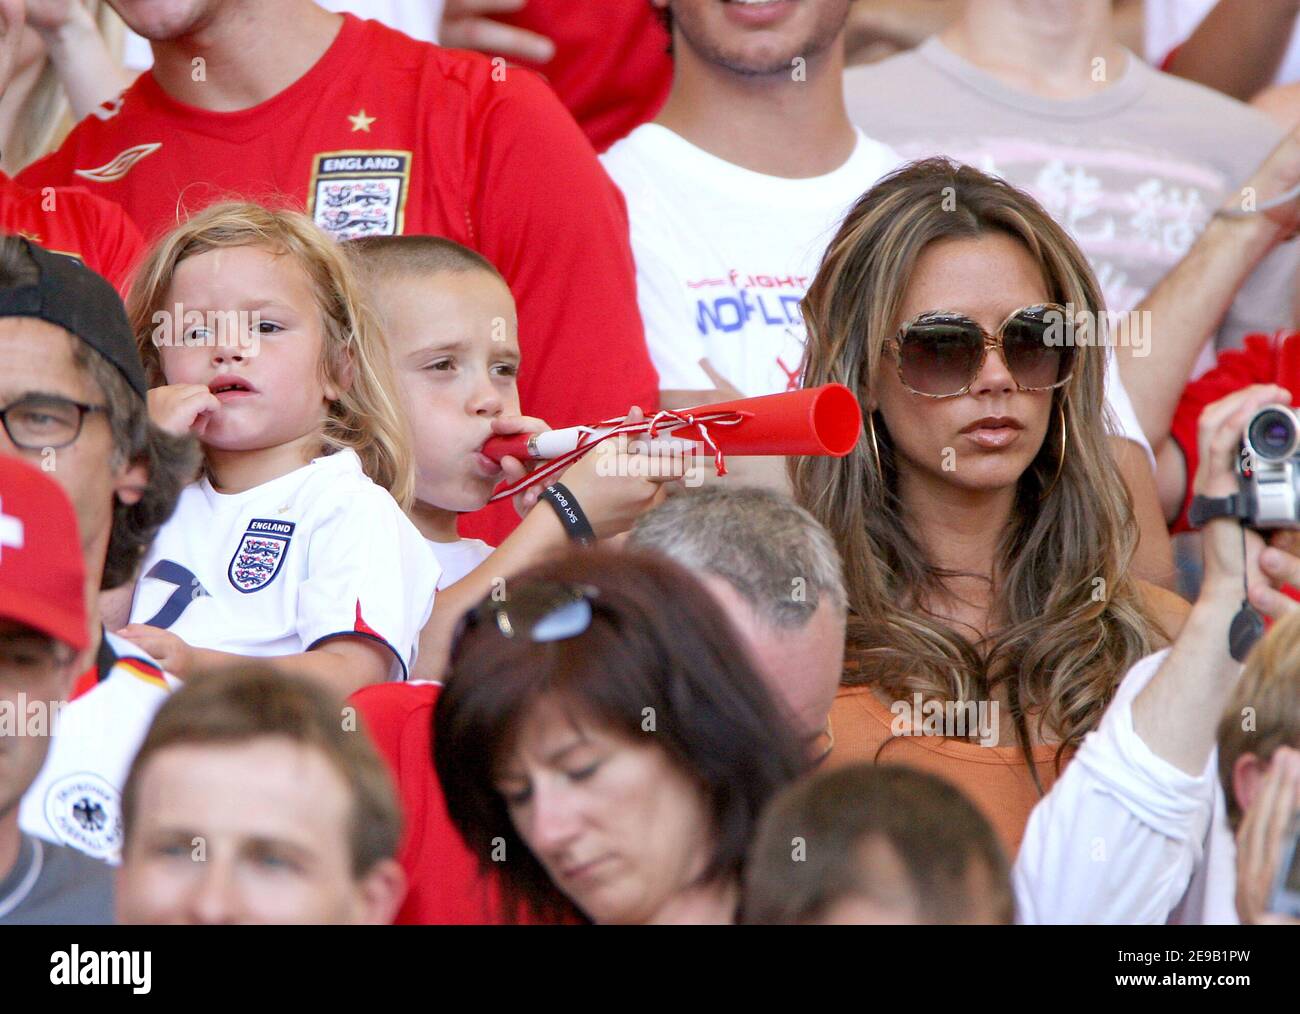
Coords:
pixel 821 37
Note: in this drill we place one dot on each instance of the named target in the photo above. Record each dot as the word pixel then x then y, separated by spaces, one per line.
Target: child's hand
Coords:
pixel 512 469
pixel 168 650
pixel 182 408
pixel 611 484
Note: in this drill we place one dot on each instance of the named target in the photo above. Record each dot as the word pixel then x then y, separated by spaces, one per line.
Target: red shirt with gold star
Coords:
pixel 387 135
pixel 70 221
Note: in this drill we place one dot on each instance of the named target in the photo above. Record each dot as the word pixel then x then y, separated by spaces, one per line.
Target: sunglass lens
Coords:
pixel 1035 350
pixel 569 620
pixel 940 357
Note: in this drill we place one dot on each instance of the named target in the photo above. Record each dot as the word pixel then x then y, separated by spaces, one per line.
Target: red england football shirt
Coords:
pixel 387 135
pixel 444 882
pixel 69 220
pixel 611 68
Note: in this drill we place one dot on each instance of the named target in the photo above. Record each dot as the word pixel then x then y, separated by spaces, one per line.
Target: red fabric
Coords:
pixel 72 221
pixel 611 68
pixel 445 886
pixel 85 682
pixel 1262 359
pixel 42 574
pixel 362 627
pixel 497 165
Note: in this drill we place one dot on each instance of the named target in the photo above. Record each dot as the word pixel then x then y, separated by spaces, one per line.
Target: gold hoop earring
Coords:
pixel 1060 461
pixel 875 448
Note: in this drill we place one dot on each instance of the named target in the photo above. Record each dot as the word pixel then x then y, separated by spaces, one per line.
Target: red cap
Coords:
pixel 42 574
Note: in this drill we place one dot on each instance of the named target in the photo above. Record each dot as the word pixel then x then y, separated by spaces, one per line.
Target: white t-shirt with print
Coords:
pixel 319 553
pixel 725 254
pixel 458 558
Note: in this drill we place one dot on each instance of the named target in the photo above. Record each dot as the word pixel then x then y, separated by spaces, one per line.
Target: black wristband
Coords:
pixel 1204 509
pixel 576 525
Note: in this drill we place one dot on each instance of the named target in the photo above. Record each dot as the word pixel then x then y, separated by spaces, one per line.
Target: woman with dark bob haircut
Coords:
pixel 604 746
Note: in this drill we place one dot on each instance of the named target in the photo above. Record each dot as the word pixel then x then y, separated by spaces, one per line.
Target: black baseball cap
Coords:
pixel 69 294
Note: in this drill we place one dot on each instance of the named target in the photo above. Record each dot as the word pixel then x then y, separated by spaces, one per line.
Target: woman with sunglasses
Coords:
pixel 603 746
pixel 985 530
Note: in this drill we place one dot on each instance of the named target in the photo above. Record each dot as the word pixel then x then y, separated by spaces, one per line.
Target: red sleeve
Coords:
pixel 552 221
pixel 1256 362
pixel 444 882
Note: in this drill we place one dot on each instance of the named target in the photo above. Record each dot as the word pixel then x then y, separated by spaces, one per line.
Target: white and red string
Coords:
pixel 664 422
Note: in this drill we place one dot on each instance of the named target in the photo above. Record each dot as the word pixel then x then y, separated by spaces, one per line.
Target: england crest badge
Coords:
pixel 260 554
pixel 359 193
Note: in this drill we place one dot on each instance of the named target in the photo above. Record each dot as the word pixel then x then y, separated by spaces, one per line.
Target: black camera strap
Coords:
pixel 1247 626
pixel 1205 509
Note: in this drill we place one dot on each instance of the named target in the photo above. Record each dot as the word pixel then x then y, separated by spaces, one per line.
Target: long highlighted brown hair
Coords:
pixel 367 416
pixel 1068 619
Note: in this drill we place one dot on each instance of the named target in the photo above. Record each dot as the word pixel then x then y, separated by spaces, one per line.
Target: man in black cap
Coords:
pixel 73 401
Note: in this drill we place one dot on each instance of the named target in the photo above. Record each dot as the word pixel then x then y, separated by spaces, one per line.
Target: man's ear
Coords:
pixel 1247 774
pixel 131 483
pixel 381 893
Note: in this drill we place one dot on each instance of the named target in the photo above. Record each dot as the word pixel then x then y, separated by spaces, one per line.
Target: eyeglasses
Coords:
pixel 538 611
pixel 940 354
pixel 39 421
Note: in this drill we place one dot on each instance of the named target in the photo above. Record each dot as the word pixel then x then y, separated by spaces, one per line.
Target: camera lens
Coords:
pixel 1272 434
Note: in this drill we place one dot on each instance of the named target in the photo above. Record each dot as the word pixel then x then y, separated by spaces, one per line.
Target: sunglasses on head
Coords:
pixel 537 611
pixel 940 354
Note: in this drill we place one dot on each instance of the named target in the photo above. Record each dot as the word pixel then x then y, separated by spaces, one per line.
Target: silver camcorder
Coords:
pixel 1269 468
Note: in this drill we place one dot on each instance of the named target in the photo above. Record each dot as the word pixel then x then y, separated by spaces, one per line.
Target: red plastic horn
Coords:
pixel 822 420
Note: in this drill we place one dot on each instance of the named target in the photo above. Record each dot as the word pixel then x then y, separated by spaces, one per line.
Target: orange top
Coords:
pixel 995 778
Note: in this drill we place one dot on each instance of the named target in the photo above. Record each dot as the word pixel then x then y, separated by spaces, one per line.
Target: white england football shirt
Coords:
pixel 725 254
pixel 76 799
pixel 322 552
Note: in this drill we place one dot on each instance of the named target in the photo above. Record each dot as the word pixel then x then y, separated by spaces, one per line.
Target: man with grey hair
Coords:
pixel 776 573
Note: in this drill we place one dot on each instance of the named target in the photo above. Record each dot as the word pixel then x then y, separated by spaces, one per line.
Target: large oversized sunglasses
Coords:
pixel 940 354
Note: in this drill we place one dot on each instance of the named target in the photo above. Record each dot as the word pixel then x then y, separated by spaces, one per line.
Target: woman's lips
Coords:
pixel 993 432
pixel 585 870
pixel 994 438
